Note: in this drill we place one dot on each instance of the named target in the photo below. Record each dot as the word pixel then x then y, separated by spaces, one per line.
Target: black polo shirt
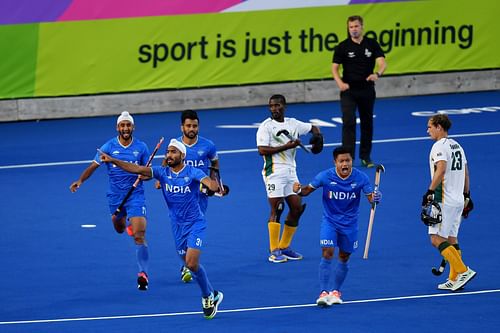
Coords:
pixel 357 60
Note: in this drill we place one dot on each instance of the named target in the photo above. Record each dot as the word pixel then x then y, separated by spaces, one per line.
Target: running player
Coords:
pixel 342 187
pixel 200 153
pixel 180 185
pixel 279 174
pixel 449 186
pixel 128 148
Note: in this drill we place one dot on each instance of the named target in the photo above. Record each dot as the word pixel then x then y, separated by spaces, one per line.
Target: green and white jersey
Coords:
pixel 450 191
pixel 266 136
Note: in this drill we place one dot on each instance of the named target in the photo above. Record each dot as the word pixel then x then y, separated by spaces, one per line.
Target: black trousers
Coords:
pixel 362 99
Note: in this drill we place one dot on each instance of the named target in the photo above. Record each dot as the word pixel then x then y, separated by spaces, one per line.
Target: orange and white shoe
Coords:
pixel 324 299
pixel 335 297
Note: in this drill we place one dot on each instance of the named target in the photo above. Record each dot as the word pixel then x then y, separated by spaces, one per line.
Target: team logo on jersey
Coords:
pixel 353 185
pixel 351 54
pixel 368 54
pixel 186 179
pixel 341 195
pixel 200 152
pixel 136 153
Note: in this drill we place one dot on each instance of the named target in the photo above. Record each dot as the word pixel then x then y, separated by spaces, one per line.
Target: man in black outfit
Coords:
pixel 358 55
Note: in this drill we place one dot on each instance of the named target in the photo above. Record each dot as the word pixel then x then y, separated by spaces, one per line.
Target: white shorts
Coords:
pixel 451 218
pixel 280 184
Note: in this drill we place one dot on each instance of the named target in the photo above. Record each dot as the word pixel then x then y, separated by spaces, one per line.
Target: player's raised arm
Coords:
pixel 129 167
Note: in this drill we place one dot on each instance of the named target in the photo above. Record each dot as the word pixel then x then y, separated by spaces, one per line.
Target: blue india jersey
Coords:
pixel 200 153
pixel 180 191
pixel 341 197
pixel 120 181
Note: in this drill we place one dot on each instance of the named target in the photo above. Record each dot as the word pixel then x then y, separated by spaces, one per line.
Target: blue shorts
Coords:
pixel 331 236
pixel 134 207
pixel 188 235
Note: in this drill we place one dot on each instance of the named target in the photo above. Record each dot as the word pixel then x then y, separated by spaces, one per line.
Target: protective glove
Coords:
pixel 427 197
pixel 377 196
pixel 468 205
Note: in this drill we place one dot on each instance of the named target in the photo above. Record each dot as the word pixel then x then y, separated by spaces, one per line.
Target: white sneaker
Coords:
pixel 335 297
pixel 463 279
pixel 324 299
pixel 448 285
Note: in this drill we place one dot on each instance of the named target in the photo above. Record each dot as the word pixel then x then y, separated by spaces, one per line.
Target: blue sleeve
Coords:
pixel 198 174
pixel 157 172
pixel 318 180
pixel 105 149
pixel 212 153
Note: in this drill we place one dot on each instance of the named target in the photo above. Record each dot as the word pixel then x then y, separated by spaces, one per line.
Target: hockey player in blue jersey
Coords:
pixel 180 185
pixel 342 188
pixel 201 153
pixel 128 148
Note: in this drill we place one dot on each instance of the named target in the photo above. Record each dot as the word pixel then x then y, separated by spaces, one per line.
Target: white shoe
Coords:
pixel 463 279
pixel 335 297
pixel 448 285
pixel 324 299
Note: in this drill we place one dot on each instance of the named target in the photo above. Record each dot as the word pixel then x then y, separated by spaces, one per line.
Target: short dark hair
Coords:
pixel 442 120
pixel 188 114
pixel 280 97
pixel 355 18
pixel 341 150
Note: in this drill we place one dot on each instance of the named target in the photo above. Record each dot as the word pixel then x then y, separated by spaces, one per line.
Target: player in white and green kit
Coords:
pixel 449 187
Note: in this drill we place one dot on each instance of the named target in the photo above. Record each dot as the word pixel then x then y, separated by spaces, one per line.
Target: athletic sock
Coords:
pixel 201 277
pixel 340 274
pixel 453 257
pixel 325 270
pixel 453 274
pixel 274 235
pixel 142 254
pixel 286 237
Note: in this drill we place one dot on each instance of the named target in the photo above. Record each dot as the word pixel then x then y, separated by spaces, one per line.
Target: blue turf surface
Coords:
pixel 54 269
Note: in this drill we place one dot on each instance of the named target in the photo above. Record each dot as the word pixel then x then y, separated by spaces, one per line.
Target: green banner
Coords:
pixel 190 51
pixel 18 45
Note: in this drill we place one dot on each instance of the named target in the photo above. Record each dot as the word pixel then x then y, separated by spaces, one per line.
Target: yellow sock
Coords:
pixel 453 273
pixel 274 235
pixel 453 257
pixel 286 238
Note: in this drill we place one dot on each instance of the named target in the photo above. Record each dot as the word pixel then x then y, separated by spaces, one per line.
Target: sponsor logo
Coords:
pixel 368 54
pixel 351 54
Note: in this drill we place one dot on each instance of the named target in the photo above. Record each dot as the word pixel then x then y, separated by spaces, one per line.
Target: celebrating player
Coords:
pixel 128 148
pixel 279 174
pixel 450 188
pixel 180 185
pixel 200 153
pixel 342 187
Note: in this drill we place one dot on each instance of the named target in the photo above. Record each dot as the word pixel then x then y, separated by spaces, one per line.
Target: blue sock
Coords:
pixel 340 274
pixel 325 270
pixel 142 257
pixel 201 277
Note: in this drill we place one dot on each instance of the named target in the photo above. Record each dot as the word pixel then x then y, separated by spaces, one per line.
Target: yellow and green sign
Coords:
pixel 205 50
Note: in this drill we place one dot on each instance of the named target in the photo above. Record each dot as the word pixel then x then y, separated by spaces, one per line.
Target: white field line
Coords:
pixel 265 308
pixel 249 150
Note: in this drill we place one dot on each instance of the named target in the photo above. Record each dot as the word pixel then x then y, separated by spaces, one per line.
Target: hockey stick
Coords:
pixel 287 134
pixel 218 179
pixel 438 271
pixel 380 168
pixel 137 181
